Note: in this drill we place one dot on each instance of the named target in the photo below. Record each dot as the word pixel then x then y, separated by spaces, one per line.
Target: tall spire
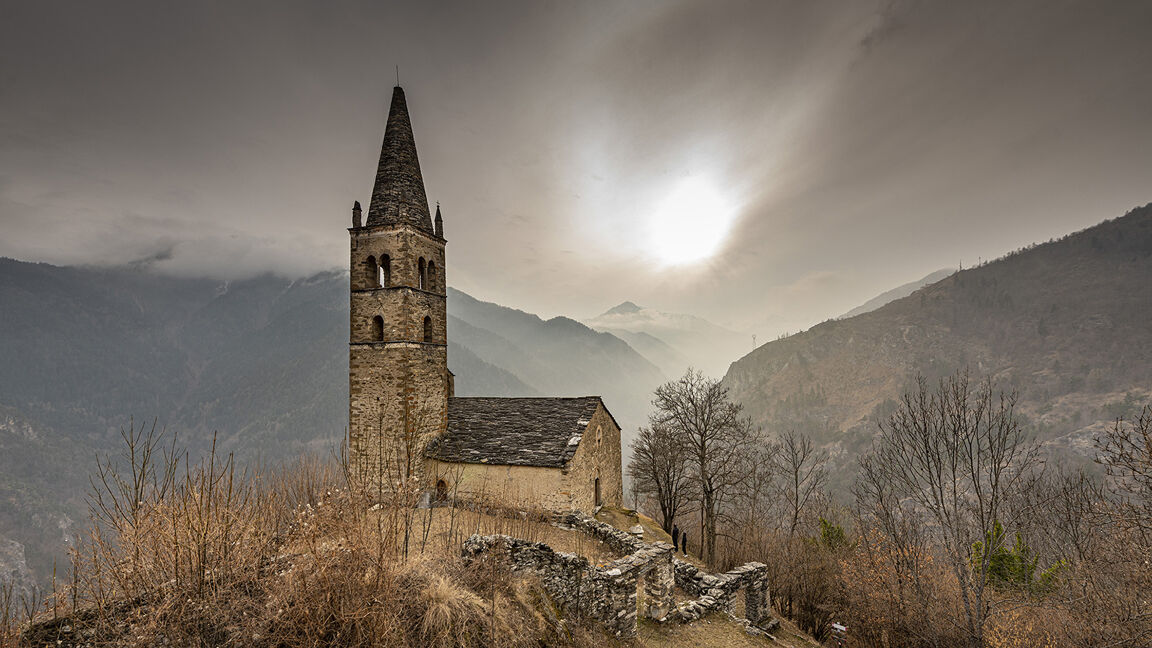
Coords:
pixel 398 195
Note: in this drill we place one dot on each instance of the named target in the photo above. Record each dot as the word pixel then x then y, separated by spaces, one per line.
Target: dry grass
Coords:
pixel 624 519
pixel 205 555
pixel 717 631
pixel 448 527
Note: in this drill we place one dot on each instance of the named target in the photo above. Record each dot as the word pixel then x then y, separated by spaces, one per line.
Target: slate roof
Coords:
pixel 398 194
pixel 514 431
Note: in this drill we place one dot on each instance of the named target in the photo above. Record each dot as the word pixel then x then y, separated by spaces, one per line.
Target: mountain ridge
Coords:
pixel 260 364
pixel 703 344
pixel 1067 324
pixel 897 293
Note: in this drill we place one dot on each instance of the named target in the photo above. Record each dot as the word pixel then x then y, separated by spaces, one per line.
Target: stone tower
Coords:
pixel 398 379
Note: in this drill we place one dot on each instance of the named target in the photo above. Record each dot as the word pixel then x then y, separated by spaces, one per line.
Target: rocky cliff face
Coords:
pixel 14 570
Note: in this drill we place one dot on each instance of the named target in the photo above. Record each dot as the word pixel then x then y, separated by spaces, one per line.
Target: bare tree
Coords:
pixel 749 521
pixel 1061 513
pixel 714 435
pixel 660 470
pixel 950 455
pixel 1125 450
pixel 802 474
pixel 1121 576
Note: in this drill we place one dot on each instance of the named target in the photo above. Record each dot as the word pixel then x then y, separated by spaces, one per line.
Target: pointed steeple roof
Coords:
pixel 398 195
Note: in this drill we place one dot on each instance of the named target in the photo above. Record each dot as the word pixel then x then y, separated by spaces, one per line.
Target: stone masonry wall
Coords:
pixel 403 304
pixel 404 245
pixel 397 386
pixel 714 592
pixel 717 591
pixel 527 487
pixel 607 594
pixel 392 385
pixel 597 456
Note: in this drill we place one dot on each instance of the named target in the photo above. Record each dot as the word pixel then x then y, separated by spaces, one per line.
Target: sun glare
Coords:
pixel 691 223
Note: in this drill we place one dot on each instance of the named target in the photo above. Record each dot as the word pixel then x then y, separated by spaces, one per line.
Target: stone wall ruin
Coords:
pixel 609 593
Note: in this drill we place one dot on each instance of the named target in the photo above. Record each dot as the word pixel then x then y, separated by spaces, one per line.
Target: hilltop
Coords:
pixel 898 292
pixel 262 361
pixel 1067 324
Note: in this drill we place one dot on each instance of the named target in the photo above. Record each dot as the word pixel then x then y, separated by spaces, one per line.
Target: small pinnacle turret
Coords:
pixel 398 196
pixel 439 222
pixel 356 222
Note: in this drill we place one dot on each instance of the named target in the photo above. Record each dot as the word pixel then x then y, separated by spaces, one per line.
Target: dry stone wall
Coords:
pixel 608 594
pixel 718 591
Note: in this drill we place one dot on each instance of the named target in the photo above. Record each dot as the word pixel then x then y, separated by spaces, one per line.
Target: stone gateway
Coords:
pixel 406 429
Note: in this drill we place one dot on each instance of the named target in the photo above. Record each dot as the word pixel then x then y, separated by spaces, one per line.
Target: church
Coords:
pixel 407 430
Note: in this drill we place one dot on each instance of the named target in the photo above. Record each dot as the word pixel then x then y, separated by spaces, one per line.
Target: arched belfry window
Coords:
pixel 427 329
pixel 385 271
pixel 370 272
pixel 377 329
pixel 430 284
pixel 420 270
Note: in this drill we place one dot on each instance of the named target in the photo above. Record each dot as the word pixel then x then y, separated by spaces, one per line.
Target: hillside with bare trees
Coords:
pixel 1066 324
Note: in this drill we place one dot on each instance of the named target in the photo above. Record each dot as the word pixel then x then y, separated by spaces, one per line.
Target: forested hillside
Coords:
pixel 1067 324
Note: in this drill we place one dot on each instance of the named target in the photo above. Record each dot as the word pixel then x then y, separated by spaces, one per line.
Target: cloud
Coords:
pixel 866 144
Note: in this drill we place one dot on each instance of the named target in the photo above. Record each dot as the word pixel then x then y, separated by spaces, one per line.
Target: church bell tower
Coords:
pixel 398 379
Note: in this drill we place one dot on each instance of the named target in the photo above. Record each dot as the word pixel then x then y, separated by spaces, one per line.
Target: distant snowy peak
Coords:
pixel 672 341
pixel 622 309
pixel 630 317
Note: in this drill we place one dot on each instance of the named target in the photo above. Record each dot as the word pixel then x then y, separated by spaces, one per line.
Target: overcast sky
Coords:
pixel 766 165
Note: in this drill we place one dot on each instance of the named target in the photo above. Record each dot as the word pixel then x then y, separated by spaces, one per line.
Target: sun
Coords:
pixel 690 223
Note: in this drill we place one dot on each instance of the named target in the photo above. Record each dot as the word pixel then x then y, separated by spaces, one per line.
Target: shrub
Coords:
pixel 204 554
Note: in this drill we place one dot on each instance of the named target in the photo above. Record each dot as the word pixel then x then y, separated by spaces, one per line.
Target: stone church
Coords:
pixel 406 427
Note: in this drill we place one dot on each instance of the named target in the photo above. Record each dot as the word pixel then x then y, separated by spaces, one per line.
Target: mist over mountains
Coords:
pixel 262 363
pixel 674 341
pixel 1066 324
pixel 897 293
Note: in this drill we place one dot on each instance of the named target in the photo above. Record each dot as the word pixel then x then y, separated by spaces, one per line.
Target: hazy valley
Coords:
pixel 262 362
